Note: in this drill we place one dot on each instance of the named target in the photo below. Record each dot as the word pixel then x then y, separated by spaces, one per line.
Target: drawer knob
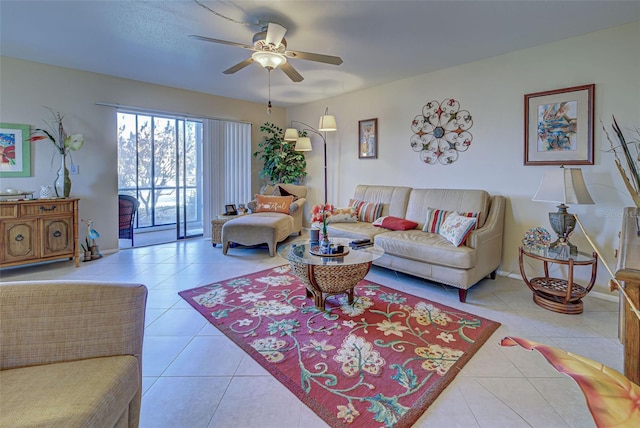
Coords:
pixel 53 207
pixel 57 234
pixel 19 238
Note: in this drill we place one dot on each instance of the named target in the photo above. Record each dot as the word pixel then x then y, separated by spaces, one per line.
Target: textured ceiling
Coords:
pixel 379 41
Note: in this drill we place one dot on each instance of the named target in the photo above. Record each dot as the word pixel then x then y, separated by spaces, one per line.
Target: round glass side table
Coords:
pixel 558 294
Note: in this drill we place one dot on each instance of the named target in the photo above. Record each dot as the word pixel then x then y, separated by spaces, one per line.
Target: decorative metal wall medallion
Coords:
pixel 441 132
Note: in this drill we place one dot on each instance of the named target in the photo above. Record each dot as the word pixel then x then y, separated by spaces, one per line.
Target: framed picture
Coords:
pixel 558 126
pixel 15 150
pixel 368 139
pixel 230 210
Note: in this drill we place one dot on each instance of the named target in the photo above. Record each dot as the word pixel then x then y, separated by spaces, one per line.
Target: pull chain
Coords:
pixel 269 104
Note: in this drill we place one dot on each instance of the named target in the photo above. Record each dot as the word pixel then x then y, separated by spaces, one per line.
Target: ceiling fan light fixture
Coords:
pixel 269 60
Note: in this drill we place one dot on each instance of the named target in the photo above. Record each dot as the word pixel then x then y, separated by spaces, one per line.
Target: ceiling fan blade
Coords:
pixel 327 59
pixel 275 34
pixel 291 72
pixel 222 42
pixel 239 66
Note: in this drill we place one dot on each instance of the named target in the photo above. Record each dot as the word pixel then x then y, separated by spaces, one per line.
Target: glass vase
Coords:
pixel 62 185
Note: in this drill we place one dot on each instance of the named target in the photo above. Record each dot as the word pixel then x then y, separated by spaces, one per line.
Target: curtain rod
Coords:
pixel 146 110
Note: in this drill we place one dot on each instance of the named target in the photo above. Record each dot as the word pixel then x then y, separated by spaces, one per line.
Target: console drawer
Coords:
pixel 46 208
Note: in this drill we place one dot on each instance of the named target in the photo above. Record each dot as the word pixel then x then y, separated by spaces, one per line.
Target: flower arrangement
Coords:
pixel 320 214
pixel 629 172
pixel 55 133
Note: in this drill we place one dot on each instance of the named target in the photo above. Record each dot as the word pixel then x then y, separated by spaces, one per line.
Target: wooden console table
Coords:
pixel 38 230
pixel 628 273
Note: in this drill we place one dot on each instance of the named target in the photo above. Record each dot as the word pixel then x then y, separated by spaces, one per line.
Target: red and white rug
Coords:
pixel 379 362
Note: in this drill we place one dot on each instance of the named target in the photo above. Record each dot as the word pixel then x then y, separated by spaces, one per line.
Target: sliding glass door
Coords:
pixel 160 164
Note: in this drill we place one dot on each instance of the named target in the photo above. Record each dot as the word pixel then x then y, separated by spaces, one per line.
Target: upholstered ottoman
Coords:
pixel 256 229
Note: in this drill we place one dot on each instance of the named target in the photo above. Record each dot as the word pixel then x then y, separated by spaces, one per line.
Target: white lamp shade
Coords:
pixel 303 144
pixel 327 123
pixel 564 185
pixel 291 134
pixel 269 60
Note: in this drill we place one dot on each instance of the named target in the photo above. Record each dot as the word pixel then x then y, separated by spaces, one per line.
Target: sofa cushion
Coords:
pixel 367 211
pixel 89 393
pixel 359 230
pixel 276 204
pixel 426 247
pixel 393 198
pixel 394 223
pixel 475 201
pixel 456 228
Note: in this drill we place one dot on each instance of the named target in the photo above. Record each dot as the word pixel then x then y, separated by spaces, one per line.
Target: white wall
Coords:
pixel 26 86
pixel 492 90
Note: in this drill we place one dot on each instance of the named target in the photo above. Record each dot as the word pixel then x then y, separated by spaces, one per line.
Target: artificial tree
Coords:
pixel 282 164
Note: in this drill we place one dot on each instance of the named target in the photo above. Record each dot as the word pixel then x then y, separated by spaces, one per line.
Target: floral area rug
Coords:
pixel 379 362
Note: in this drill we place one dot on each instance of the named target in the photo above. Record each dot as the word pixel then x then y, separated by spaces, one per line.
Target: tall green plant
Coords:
pixel 282 164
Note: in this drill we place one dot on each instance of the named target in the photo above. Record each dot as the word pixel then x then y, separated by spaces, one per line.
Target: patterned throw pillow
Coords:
pixel 283 192
pixel 367 211
pixel 456 228
pixel 343 215
pixel 436 217
pixel 278 204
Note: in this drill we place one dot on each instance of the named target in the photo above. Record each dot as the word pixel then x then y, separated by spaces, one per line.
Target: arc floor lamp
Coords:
pixel 303 144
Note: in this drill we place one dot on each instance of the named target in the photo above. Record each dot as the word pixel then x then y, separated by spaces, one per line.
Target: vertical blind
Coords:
pixel 237 154
pixel 229 164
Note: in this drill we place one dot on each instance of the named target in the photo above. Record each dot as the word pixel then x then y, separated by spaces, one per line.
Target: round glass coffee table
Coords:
pixel 325 275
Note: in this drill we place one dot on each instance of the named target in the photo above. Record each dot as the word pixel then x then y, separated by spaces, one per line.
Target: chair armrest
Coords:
pixel 44 322
pixel 298 204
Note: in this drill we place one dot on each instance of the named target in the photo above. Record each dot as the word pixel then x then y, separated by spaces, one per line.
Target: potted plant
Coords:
pixel 282 164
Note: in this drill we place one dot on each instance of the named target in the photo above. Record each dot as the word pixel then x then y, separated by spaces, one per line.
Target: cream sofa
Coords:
pixel 267 227
pixel 71 353
pixel 429 255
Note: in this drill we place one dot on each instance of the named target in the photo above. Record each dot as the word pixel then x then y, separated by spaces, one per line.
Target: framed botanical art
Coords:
pixel 15 150
pixel 368 139
pixel 558 126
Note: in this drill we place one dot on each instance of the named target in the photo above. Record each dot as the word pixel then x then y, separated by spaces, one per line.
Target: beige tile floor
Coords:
pixel 193 376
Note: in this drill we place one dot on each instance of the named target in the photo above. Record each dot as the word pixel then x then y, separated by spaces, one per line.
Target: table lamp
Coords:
pixel 566 186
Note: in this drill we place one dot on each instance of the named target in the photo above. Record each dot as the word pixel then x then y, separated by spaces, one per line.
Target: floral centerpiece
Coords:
pixel 320 218
pixel 629 172
pixel 63 143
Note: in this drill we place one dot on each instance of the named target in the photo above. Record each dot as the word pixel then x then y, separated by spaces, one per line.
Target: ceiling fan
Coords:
pixel 270 50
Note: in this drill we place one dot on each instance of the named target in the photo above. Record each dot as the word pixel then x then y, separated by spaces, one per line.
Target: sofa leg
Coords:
pixel 272 251
pixel 492 275
pixel 225 247
pixel 462 294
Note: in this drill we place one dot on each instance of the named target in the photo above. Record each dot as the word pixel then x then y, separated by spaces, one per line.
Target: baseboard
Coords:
pixel 598 295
